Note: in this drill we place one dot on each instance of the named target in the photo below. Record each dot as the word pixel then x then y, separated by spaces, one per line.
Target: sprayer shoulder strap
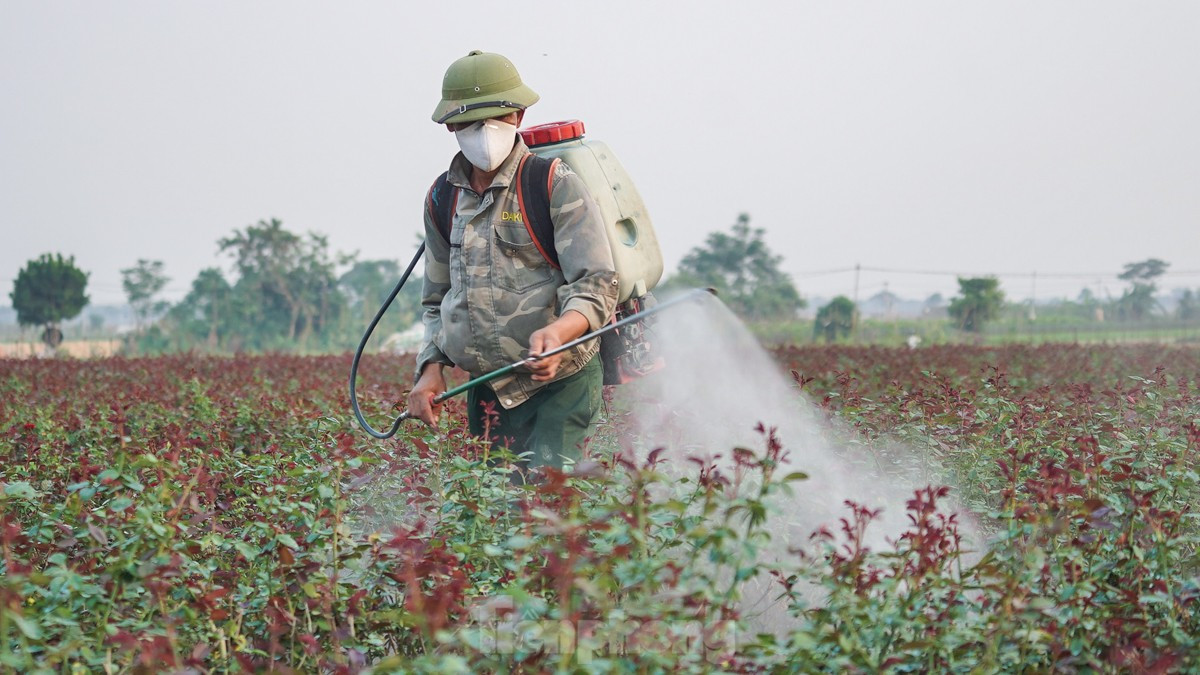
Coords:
pixel 441 201
pixel 534 183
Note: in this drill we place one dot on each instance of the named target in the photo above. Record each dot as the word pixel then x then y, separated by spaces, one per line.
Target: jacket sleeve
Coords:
pixel 435 286
pixel 583 250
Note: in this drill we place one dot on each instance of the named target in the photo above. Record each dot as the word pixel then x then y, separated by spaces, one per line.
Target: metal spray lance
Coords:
pixel 505 370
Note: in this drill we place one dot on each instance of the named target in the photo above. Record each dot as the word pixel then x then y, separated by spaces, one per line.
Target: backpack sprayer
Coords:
pixel 625 349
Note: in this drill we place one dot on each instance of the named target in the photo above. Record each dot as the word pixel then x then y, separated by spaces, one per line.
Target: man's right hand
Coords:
pixel 420 399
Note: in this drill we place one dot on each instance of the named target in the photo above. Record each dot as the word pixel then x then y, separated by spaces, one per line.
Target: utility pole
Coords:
pixel 1033 299
pixel 854 316
pixel 857 268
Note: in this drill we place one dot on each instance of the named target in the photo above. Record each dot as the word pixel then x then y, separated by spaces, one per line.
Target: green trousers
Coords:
pixel 551 425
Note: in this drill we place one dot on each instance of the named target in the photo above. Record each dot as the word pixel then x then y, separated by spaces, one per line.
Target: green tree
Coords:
pixel 979 300
pixel 1145 270
pixel 1138 301
pixel 835 319
pixel 743 270
pixel 1189 306
pixel 141 283
pixel 1088 306
pixel 286 290
pixel 367 284
pixel 48 291
pixel 204 313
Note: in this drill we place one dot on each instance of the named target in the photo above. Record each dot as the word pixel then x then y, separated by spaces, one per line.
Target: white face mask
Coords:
pixel 486 143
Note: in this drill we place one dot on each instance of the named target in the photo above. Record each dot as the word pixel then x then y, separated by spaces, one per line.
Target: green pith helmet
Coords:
pixel 481 85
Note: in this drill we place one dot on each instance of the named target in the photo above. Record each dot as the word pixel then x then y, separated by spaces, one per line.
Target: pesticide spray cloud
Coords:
pixel 718 390
pixel 720 385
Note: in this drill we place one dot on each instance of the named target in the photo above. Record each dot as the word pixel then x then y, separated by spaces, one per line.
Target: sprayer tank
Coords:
pixel 636 254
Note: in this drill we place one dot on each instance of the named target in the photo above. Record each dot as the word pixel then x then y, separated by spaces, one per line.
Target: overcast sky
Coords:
pixel 1000 137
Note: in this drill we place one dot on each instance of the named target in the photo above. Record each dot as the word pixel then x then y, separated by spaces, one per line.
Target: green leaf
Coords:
pixel 1041 604
pixel 675 506
pixel 32 630
pixel 248 552
pixel 52 620
pixel 795 475
pixel 288 541
pixel 21 490
pixel 519 541
pixel 120 504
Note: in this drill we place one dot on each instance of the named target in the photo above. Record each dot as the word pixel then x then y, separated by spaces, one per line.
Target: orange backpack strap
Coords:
pixel 535 180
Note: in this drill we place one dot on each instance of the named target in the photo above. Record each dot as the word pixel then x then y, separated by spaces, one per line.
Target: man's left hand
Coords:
pixel 567 327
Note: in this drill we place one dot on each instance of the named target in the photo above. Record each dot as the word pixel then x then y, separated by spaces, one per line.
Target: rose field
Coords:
pixel 226 514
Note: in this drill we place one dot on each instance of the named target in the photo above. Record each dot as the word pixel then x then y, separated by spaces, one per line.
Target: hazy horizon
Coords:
pixel 921 139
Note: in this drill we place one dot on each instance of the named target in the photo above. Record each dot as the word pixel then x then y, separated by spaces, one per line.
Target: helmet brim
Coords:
pixel 475 108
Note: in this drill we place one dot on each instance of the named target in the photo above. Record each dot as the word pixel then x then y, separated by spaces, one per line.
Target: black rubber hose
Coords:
pixel 363 344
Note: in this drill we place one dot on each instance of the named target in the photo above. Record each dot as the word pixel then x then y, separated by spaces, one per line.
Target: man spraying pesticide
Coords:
pixel 533 255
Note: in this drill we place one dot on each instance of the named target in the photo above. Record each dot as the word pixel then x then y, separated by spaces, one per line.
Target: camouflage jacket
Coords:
pixel 490 288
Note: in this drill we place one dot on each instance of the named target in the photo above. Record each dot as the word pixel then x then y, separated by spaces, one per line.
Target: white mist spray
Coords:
pixel 718 386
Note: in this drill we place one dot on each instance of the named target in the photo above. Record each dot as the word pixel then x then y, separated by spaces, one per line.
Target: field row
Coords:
pixel 224 514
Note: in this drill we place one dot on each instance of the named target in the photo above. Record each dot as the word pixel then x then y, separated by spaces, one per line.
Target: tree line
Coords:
pixel 285 293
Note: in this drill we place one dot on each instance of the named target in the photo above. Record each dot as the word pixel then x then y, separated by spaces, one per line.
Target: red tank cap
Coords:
pixel 554 132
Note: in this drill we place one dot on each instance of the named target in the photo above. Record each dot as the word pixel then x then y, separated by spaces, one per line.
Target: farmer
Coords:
pixel 491 296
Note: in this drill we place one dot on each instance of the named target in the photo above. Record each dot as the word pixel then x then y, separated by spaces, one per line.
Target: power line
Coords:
pixel 1025 275
pixel 824 273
